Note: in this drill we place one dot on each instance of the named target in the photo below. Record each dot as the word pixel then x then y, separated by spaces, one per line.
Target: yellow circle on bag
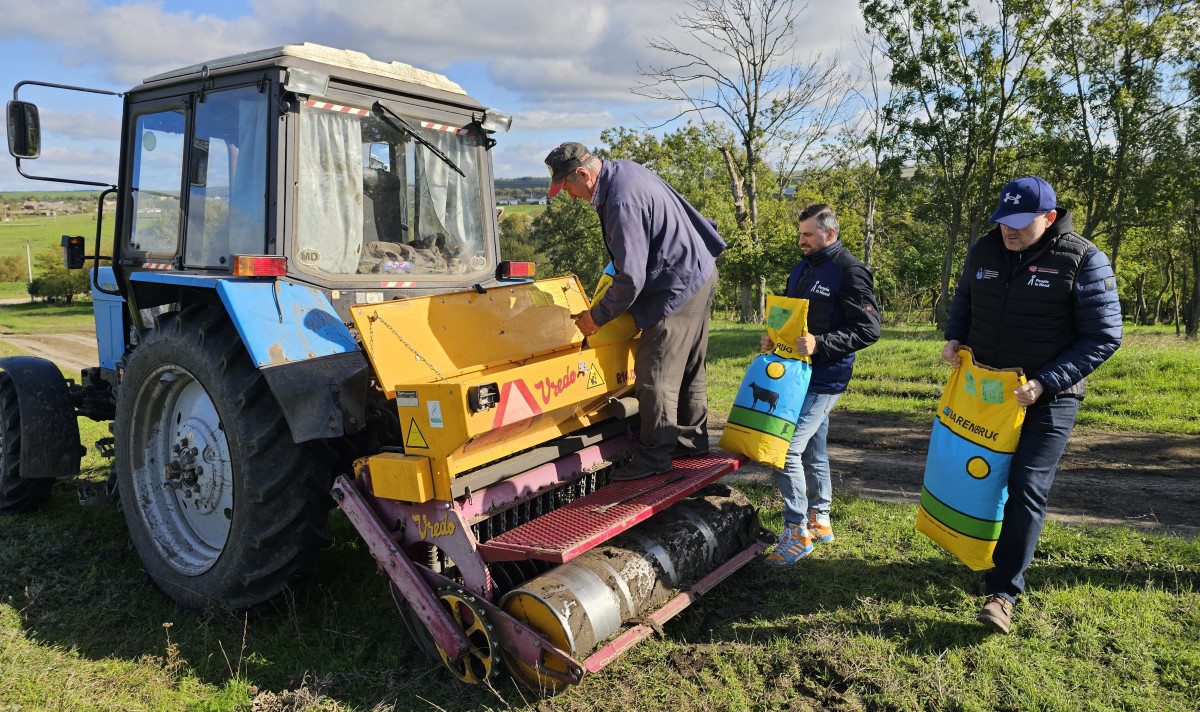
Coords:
pixel 978 468
pixel 776 369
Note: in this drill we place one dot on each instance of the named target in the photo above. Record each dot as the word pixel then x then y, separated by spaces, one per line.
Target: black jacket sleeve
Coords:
pixel 856 293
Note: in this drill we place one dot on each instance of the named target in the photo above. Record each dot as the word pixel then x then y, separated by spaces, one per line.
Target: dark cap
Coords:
pixel 563 161
pixel 1022 200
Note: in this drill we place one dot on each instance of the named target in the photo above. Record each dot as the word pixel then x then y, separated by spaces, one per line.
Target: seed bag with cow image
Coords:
pixel 966 472
pixel 767 405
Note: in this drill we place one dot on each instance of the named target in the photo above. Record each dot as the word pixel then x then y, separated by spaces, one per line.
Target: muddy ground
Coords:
pixel 1150 482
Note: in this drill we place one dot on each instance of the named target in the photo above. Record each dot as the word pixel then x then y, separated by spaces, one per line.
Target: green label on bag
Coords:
pixel 970 383
pixel 777 317
pixel 993 391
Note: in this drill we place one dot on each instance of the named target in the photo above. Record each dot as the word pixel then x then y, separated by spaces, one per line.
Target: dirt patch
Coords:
pixel 70 351
pixel 1149 482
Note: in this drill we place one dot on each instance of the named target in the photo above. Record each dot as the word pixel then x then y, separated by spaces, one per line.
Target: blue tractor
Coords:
pixel 258 197
pixel 305 306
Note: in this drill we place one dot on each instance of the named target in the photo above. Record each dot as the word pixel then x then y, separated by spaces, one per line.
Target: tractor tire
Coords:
pixel 17 494
pixel 223 507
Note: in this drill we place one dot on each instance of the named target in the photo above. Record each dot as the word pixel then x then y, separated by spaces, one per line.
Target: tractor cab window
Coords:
pixel 227 178
pixel 388 195
pixel 158 164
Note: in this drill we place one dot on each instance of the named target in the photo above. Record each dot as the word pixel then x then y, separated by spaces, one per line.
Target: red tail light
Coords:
pixel 516 270
pixel 259 266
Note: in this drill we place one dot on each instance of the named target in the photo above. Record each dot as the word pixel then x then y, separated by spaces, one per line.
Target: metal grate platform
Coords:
pixel 569 531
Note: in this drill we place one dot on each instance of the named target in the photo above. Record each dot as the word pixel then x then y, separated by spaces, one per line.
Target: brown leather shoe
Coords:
pixel 996 613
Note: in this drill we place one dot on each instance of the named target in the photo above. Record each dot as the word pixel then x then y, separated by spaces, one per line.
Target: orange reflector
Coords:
pixel 259 266
pixel 517 270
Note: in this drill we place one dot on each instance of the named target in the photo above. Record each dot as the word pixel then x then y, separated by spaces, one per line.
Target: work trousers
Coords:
pixel 1044 435
pixel 671 389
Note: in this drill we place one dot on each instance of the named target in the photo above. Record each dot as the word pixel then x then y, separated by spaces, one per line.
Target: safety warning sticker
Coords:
pixel 435 414
pixel 415 438
pixel 516 403
pixel 595 378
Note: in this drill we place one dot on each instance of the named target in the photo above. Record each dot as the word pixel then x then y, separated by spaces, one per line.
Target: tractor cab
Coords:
pixel 367 180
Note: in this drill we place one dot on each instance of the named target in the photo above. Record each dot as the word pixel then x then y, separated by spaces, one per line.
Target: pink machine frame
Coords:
pixel 391 529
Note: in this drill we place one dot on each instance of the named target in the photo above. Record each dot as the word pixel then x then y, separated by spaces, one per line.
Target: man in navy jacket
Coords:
pixel 664 254
pixel 843 317
pixel 1036 296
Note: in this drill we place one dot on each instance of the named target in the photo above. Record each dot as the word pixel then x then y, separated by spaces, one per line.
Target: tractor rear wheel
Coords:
pixel 222 505
pixel 17 494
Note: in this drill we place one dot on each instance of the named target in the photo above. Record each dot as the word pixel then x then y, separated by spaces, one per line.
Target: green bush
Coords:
pixel 12 269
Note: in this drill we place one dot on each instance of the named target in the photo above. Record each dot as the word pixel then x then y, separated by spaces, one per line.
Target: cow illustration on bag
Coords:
pixel 764 432
pixel 766 395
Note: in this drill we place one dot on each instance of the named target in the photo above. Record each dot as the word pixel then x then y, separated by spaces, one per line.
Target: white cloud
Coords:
pixel 83 125
pixel 539 120
pixel 561 68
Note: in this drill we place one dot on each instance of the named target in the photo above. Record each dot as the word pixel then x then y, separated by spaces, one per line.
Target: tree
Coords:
pixel 741 64
pixel 967 80
pixel 568 234
pixel 1120 98
pixel 872 149
pixel 55 282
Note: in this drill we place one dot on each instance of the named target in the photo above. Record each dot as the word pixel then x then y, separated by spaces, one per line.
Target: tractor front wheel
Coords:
pixel 222 505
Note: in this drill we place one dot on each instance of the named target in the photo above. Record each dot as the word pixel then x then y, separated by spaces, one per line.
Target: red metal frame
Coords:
pixel 399 568
pixel 588 522
pixel 388 527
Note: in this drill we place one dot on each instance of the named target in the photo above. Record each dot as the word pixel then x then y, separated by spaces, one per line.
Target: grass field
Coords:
pixel 531 210
pixel 44 318
pixel 1149 385
pixel 881 619
pixel 45 234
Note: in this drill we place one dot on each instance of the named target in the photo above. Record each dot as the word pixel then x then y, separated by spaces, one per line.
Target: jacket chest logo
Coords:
pixel 986 274
pixel 1037 276
pixel 818 288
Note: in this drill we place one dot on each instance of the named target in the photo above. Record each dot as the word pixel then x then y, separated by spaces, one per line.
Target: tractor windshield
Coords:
pixel 396 197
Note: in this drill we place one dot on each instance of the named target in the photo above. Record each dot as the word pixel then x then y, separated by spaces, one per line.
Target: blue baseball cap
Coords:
pixel 1022 200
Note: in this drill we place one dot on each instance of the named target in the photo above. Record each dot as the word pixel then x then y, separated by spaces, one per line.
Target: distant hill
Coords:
pixel 527 183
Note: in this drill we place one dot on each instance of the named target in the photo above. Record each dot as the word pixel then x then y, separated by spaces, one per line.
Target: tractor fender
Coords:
pixel 50 444
pixel 308 357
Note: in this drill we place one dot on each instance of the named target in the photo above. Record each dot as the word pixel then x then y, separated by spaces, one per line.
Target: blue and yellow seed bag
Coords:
pixel 966 471
pixel 767 405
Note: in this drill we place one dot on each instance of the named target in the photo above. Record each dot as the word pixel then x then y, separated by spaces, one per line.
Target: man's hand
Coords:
pixel 950 355
pixel 806 345
pixel 585 323
pixel 766 344
pixel 1029 392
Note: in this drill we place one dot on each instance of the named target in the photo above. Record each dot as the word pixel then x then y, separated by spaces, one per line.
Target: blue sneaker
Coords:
pixel 795 543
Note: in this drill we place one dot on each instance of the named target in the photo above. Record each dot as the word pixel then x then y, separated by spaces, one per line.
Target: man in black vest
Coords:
pixel 1036 296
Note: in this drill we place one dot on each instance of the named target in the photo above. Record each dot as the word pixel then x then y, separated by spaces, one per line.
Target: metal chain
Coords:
pixel 401 338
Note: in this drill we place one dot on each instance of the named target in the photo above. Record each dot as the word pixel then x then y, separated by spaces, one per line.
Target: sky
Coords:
pixel 564 70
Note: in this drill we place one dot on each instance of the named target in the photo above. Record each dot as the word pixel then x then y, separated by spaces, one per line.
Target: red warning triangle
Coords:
pixel 516 403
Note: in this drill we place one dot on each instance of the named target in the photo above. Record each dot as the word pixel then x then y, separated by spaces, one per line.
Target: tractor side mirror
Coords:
pixel 24 130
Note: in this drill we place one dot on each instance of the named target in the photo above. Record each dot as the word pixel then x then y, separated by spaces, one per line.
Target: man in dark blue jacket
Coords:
pixel 843 318
pixel 1036 296
pixel 664 254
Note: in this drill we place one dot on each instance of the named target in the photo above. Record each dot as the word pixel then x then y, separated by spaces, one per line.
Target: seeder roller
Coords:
pixel 495 520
